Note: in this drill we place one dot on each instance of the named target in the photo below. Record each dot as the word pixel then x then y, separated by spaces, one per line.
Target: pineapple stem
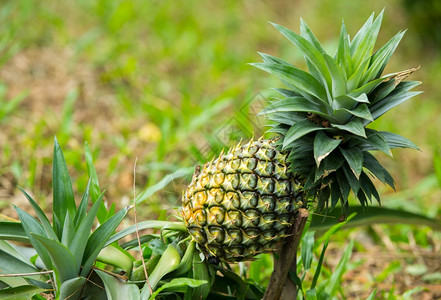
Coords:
pixel 280 287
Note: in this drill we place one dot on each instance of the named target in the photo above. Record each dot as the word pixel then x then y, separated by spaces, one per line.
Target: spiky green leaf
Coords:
pixel 397 141
pixel 312 54
pixel 41 216
pixel 355 159
pixel 300 129
pixel 355 127
pixel 297 104
pixel 323 146
pixel 63 261
pixel 63 197
pixel 30 226
pixel 300 79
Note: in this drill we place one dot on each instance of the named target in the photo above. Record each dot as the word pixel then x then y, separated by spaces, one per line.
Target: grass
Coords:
pixel 168 84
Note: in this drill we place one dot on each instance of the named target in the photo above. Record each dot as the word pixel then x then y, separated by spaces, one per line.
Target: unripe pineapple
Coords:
pixel 243 203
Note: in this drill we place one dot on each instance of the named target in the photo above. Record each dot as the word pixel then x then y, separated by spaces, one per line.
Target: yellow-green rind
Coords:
pixel 242 203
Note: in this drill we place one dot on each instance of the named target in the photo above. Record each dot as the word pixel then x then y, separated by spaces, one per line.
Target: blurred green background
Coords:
pixel 167 83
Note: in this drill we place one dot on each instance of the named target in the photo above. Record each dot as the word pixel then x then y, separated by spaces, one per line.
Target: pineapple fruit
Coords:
pixel 243 203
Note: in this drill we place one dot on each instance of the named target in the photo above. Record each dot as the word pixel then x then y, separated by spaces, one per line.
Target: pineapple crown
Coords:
pixel 322 116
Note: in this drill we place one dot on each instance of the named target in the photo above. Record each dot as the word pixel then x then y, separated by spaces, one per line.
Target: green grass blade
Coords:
pixel 319 264
pixel 41 216
pixel 336 276
pixel 307 248
pixel 117 289
pixel 162 183
pixel 95 192
pixel 63 197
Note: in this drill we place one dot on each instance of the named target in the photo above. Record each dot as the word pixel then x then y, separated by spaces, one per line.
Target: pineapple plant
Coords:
pixel 244 202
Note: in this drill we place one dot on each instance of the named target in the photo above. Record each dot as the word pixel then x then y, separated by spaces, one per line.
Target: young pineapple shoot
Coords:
pixel 243 202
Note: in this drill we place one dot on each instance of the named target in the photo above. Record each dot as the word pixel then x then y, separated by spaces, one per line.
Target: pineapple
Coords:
pixel 243 203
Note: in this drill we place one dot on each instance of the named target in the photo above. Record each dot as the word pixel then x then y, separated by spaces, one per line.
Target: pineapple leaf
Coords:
pixel 344 187
pixel 361 34
pixel 335 194
pixel 354 157
pixel 98 239
pixel 353 181
pixel 372 164
pixel 79 240
pixel 323 146
pixel 375 141
pixel 381 58
pixel 337 75
pixel 355 78
pixel 349 102
pixel 95 192
pixel 343 55
pixel 368 187
pixel 394 99
pixel 361 111
pixel 398 141
pixel 368 87
pixel 298 130
pixel 301 80
pixel 306 32
pixel 287 93
pixel 68 230
pixel 63 260
pixel 82 208
pixel 41 216
pixel 311 53
pixel 362 48
pixel 296 104
pixel 30 225
pixel 267 58
pixel 355 127
pixel 63 197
